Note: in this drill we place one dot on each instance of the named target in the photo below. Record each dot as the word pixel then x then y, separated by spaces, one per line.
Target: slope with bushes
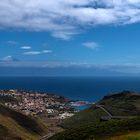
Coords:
pixel 126 103
pixel 101 131
pixel 87 124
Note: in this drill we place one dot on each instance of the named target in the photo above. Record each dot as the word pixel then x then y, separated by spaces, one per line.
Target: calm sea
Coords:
pixel 82 88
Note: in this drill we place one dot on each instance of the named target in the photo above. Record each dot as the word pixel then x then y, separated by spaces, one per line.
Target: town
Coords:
pixel 38 103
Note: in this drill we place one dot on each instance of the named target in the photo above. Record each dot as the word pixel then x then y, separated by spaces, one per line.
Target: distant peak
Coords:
pixel 125 93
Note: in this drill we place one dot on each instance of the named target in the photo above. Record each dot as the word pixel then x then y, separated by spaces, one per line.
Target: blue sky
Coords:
pixel 85 32
pixel 109 45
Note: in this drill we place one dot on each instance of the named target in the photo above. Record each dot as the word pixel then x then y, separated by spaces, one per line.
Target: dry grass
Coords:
pixel 15 130
pixel 15 126
pixel 129 136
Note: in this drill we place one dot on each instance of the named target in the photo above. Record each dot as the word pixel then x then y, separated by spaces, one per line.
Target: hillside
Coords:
pixel 124 122
pixel 16 126
pixel 83 117
pixel 126 103
pixel 113 129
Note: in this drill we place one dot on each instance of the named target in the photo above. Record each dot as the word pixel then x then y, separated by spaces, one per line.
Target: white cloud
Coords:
pixel 26 47
pixel 47 51
pixel 32 53
pixel 91 45
pixel 63 18
pixel 37 52
pixel 12 42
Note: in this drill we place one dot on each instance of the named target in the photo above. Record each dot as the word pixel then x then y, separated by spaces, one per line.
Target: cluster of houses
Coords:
pixel 35 103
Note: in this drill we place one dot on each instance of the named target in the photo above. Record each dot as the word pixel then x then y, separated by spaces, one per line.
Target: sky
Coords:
pixel 92 34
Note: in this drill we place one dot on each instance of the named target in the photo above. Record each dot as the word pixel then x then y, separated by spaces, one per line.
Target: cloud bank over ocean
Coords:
pixel 64 68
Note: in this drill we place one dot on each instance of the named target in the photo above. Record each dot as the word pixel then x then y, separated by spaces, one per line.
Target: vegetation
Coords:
pixel 128 136
pixel 82 118
pixel 17 126
pixel 87 124
pixel 100 131
pixel 126 103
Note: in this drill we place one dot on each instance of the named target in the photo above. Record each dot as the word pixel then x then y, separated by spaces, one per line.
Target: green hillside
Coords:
pixel 16 126
pixel 126 103
pixel 89 115
pixel 101 131
pixel 87 124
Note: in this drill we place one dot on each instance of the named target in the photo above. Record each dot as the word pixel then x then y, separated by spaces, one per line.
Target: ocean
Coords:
pixel 81 88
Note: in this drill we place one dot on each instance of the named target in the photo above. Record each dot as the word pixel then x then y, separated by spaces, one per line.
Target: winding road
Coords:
pixel 110 116
pixel 105 110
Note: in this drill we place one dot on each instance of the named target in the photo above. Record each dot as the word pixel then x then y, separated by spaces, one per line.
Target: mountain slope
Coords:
pixel 14 125
pixel 89 115
pixel 101 131
pixel 87 125
pixel 126 103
